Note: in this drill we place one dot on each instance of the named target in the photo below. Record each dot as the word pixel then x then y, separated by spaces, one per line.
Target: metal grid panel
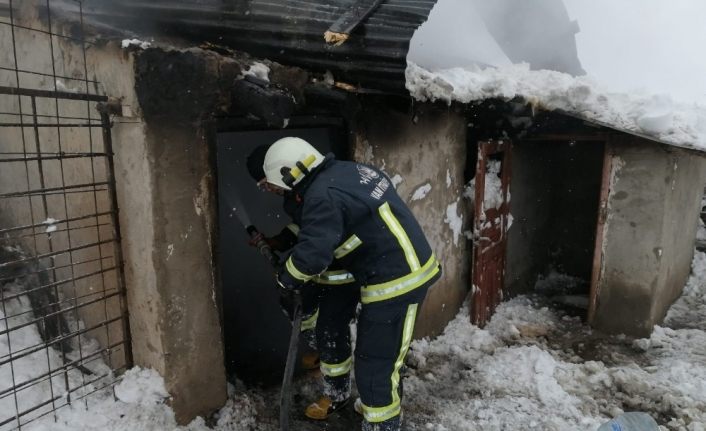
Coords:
pixel 64 332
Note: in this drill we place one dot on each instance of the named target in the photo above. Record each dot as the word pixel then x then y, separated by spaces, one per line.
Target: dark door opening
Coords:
pixel 256 332
pixel 555 195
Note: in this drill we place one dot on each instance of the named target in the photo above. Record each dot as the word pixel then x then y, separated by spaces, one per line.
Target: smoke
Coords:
pixel 455 35
pixel 497 32
pixel 627 45
pixel 655 45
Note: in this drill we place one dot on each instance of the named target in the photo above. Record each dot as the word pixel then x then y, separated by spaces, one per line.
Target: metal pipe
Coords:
pixel 55 253
pixel 39 271
pixel 117 252
pixel 52 94
pixel 33 349
pixel 65 366
pixel 68 220
pixel 60 157
pixel 39 192
pixel 58 283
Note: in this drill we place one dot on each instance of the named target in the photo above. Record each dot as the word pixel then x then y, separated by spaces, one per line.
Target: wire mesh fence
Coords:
pixel 63 317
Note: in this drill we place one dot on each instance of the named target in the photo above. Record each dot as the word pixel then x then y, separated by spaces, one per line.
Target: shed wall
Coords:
pixel 167 210
pixel 426 151
pixel 653 206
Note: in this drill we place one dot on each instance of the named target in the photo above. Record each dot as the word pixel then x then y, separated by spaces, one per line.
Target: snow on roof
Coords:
pixel 656 117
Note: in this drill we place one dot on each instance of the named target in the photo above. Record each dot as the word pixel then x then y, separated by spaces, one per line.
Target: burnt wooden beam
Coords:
pixel 340 31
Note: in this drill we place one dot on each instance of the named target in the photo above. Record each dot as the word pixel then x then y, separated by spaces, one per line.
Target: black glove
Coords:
pixel 287 282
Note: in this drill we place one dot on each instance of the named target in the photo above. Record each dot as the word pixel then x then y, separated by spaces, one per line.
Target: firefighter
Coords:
pixel 351 213
pixel 329 303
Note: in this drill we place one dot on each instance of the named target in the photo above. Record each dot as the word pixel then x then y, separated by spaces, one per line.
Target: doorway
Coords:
pixel 256 332
pixel 555 194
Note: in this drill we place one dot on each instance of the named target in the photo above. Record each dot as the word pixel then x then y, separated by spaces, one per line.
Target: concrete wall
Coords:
pixel 654 203
pixel 165 193
pixel 425 147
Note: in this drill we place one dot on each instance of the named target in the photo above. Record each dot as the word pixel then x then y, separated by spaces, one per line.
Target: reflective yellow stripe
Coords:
pixel 406 340
pixel 310 322
pixel 335 370
pixel 400 286
pixel 348 246
pixel 334 277
pixel 306 162
pixel 399 233
pixel 379 414
pixel 294 272
pixel 293 228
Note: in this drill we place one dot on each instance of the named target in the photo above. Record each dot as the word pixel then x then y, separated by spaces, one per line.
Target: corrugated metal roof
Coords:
pixel 287 31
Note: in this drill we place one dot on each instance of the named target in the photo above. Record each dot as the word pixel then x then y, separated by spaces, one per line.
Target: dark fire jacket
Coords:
pixel 352 213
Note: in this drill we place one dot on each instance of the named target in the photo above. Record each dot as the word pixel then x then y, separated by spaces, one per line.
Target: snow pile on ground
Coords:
pixel 33 362
pixel 143 387
pixel 657 116
pixel 531 368
pixel 689 311
pixel 141 404
pixel 536 368
pixel 471 378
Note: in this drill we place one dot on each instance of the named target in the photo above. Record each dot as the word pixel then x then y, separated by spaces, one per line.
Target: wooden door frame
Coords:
pixel 481 312
pixel 602 217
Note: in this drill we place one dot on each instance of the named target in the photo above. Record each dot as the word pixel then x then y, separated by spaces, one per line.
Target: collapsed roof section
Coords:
pixel 291 32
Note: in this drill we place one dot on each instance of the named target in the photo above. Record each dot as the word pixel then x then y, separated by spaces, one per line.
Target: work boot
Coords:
pixel 324 407
pixel 310 360
pixel 394 424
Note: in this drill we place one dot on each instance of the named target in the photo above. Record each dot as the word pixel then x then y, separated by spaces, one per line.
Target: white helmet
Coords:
pixel 289 160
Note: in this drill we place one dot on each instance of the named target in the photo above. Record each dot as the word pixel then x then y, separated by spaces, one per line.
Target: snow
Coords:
pixel 442 41
pixel 51 225
pixel 421 192
pixel 141 386
pixel 493 194
pixel 656 116
pixel 25 368
pixel 469 191
pixel 126 43
pixel 689 310
pixel 396 180
pixel 454 220
pixel 448 178
pixel 651 47
pixel 259 70
pixel 531 368
pixel 525 370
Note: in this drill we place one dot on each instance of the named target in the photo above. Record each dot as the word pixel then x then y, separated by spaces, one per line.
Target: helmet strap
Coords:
pixel 289 175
